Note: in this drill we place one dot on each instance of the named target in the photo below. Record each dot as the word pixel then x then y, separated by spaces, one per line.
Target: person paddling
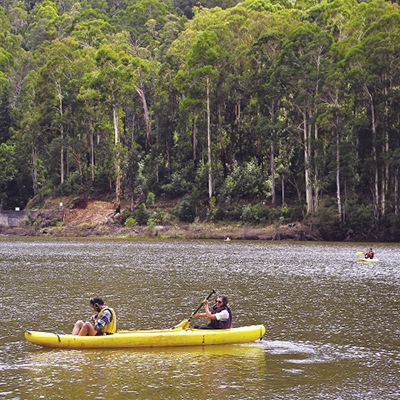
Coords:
pixel 104 322
pixel 220 316
pixel 369 254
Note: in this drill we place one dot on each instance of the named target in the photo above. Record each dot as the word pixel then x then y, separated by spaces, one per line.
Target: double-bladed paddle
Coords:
pixel 185 323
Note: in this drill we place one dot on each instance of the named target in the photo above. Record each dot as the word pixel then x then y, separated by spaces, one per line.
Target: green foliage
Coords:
pixel 130 222
pixel 326 222
pixel 247 181
pixel 187 212
pixel 150 199
pixel 359 218
pixel 71 187
pixel 257 214
pixel 155 218
pixel 177 187
pixel 142 214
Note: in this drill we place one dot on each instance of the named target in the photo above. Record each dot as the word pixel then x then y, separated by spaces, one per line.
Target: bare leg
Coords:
pixel 87 330
pixel 77 328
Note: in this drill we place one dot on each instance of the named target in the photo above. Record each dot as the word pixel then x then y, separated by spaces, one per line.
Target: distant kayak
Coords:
pixel 227 239
pixel 368 260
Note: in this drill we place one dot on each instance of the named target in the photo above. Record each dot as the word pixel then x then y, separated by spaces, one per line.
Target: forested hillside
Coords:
pixel 260 111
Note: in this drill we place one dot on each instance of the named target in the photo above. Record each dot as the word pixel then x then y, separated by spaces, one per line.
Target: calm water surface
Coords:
pixel 332 323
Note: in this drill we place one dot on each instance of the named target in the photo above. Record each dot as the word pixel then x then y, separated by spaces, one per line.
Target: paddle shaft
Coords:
pixel 201 305
pixel 50 326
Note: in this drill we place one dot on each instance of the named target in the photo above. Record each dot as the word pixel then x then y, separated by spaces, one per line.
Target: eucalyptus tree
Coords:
pixel 382 51
pixel 112 79
pixel 265 53
pixel 45 25
pixel 51 91
pixel 373 75
pixel 29 130
pixel 196 78
pixel 301 71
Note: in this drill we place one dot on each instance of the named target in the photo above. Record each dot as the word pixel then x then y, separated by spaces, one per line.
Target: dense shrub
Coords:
pixel 130 222
pixel 150 199
pixel 359 218
pixel 177 186
pixel 247 181
pixel 187 212
pixel 326 222
pixel 142 215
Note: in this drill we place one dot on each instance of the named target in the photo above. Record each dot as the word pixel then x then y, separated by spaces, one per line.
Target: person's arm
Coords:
pixel 104 319
pixel 199 315
pixel 207 314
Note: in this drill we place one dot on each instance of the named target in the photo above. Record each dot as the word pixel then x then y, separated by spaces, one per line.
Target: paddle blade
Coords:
pixel 360 252
pixel 187 325
pixel 182 325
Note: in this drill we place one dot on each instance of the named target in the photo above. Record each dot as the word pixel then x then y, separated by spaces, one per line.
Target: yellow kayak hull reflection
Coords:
pixel 368 260
pixel 150 338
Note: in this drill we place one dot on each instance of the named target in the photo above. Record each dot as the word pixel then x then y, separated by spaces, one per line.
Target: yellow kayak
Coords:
pixel 368 260
pixel 149 338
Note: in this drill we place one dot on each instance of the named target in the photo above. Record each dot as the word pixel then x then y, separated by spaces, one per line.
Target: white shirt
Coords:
pixel 222 316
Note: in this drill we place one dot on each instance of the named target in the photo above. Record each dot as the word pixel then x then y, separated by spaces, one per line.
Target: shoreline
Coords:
pixel 293 231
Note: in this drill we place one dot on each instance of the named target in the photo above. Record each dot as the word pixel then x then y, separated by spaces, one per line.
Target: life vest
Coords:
pixel 111 327
pixel 221 324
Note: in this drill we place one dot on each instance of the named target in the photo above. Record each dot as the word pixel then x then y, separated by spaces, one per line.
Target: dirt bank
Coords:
pixel 92 218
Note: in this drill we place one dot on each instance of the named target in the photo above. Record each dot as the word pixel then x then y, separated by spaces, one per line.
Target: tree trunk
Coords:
pixel 221 135
pixel 210 192
pixel 316 185
pixel 118 161
pixel 142 95
pixel 307 171
pixel 375 188
pixel 239 122
pixel 132 188
pixel 34 171
pixel 385 175
pixel 60 110
pixel 272 166
pixel 194 138
pixel 92 154
pixel 91 138
pixel 338 178
pixel 396 191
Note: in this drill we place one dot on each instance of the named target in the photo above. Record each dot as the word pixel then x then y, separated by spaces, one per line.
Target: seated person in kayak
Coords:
pixel 369 254
pixel 220 315
pixel 104 322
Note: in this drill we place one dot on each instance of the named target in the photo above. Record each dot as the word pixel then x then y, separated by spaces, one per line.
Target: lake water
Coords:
pixel 332 324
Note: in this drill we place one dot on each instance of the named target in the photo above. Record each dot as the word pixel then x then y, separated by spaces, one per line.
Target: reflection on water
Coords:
pixel 332 323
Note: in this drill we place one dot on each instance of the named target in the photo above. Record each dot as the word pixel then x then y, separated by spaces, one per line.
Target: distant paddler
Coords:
pixel 369 254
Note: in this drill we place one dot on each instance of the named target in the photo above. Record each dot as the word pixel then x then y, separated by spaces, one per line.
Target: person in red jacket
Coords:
pixel 369 254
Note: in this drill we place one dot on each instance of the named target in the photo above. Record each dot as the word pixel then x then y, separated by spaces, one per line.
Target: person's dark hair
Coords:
pixel 96 300
pixel 224 299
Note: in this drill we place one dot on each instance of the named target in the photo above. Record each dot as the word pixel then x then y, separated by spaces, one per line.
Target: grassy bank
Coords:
pixel 176 231
pixel 78 217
